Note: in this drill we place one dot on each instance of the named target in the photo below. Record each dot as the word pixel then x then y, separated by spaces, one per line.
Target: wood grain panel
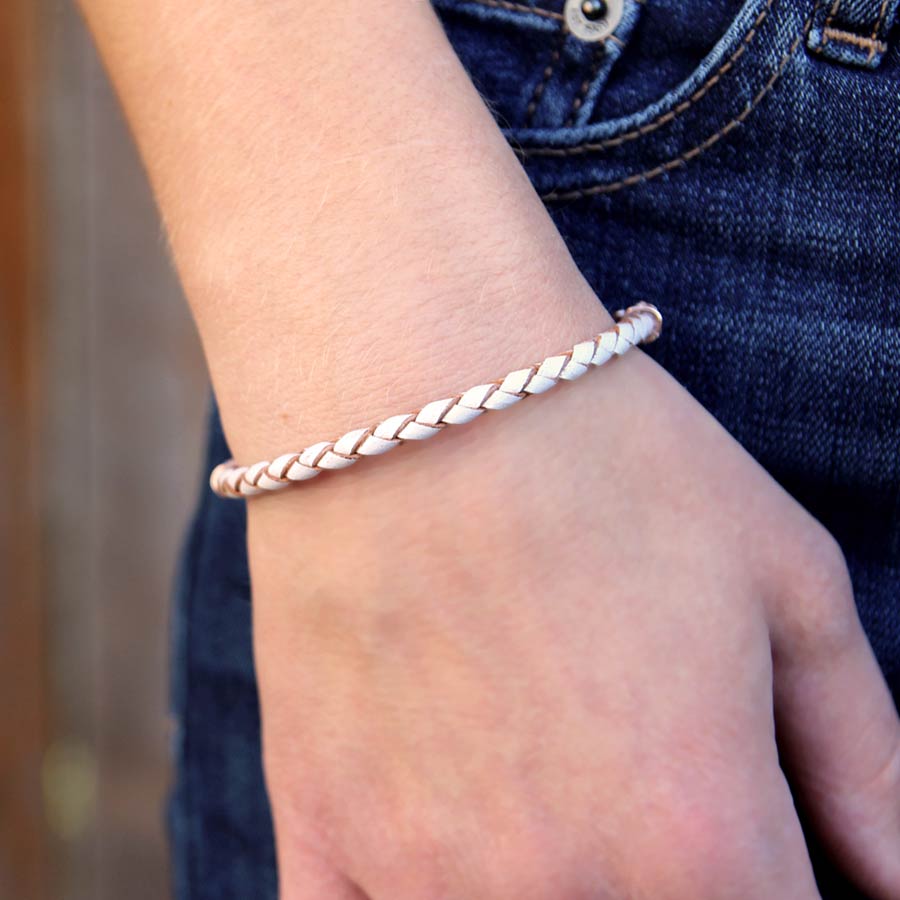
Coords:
pixel 23 696
pixel 100 373
pixel 124 391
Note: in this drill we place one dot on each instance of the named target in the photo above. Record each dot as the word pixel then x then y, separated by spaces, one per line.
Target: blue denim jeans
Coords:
pixel 736 162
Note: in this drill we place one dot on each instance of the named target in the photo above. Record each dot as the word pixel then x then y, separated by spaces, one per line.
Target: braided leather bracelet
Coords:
pixel 639 324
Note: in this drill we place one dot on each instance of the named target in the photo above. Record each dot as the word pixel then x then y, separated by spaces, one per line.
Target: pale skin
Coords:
pixel 543 656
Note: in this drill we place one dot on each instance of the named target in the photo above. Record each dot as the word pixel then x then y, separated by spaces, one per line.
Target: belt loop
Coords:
pixel 853 32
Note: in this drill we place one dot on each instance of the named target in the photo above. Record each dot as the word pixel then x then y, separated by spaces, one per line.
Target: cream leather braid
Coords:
pixel 638 324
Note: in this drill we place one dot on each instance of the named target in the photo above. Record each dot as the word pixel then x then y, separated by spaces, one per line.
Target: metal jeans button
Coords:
pixel 593 20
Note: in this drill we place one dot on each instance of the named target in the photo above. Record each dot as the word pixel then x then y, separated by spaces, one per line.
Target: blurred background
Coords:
pixel 102 400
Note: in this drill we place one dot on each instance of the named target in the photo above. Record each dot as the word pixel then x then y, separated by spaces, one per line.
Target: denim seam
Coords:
pixel 829 21
pixel 664 118
pixel 579 98
pixel 520 7
pixel 537 11
pixel 596 62
pixel 848 37
pixel 839 35
pixel 880 22
pixel 877 28
pixel 684 158
pixel 542 84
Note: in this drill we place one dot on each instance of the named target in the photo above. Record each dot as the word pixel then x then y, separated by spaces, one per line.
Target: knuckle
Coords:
pixel 825 567
pixel 816 609
pixel 884 781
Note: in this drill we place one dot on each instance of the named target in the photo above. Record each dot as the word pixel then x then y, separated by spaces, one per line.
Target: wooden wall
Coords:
pixel 104 393
pixel 23 700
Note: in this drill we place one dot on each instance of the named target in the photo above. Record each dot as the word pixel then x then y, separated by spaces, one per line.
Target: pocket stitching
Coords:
pixel 879 23
pixel 663 118
pixel 683 159
pixel 542 84
pixel 829 21
pixel 520 8
pixel 872 43
pixel 596 62
pixel 834 35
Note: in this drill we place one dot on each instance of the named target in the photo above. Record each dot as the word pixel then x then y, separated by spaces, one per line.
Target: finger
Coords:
pixel 838 730
pixel 775 861
pixel 735 832
pixel 789 875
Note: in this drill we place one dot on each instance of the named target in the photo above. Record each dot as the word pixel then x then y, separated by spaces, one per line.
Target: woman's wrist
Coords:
pixel 638 324
pixel 316 322
pixel 302 386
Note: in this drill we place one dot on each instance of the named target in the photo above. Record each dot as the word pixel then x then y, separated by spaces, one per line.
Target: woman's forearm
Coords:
pixel 353 233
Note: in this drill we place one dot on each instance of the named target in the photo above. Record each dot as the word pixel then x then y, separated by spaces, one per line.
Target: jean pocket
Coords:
pixel 517 54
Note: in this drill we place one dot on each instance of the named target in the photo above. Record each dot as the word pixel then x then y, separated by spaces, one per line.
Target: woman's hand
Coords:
pixel 543 658
pixel 533 658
